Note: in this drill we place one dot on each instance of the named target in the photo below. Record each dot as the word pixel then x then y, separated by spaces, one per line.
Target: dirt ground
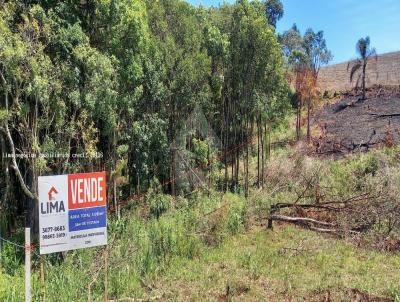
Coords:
pixel 352 125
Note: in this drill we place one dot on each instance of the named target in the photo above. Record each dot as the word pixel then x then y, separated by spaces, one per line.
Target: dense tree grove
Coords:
pixel 105 84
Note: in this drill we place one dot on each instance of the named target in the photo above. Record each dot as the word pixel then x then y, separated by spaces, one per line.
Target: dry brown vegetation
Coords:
pixel 354 197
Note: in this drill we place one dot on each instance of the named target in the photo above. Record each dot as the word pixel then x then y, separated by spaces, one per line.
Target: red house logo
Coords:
pixel 51 192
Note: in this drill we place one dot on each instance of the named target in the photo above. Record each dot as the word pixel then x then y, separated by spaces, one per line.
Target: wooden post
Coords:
pixel 27 264
pixel 106 274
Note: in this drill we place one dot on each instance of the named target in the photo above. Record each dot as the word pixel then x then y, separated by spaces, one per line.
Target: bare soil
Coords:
pixel 352 125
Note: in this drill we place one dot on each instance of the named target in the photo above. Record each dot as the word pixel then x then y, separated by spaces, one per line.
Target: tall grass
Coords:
pixel 142 246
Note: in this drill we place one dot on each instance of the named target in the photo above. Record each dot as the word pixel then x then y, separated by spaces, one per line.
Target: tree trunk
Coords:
pixel 308 121
pixel 363 79
pixel 259 143
pixel 173 169
pixel 248 144
pixel 298 121
pixel 263 133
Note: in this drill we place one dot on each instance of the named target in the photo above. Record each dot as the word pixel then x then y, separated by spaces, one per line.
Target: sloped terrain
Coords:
pixel 352 125
pixel 385 70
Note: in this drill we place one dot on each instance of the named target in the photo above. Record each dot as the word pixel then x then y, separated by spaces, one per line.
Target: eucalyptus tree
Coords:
pixel 318 55
pixel 121 78
pixel 274 11
pixel 27 81
pixel 217 44
pixel 291 40
pixel 305 56
pixel 178 34
pixel 366 53
pixel 256 70
pixel 298 61
pixel 315 47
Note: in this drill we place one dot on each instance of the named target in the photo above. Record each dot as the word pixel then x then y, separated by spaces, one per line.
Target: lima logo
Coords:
pixel 52 206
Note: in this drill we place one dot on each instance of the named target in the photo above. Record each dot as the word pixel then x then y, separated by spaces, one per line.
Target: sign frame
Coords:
pixel 72 211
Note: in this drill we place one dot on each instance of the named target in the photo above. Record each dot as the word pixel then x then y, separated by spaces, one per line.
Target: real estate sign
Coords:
pixel 72 211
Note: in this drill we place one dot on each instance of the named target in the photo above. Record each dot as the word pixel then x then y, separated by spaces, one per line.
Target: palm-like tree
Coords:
pixel 365 51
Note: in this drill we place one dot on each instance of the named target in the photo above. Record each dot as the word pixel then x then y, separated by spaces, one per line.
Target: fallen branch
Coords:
pixel 378 115
pixel 300 220
pixel 307 222
pixel 322 206
pixel 328 205
pixel 154 298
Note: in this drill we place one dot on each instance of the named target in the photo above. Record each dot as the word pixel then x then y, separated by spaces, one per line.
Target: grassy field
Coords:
pixel 287 264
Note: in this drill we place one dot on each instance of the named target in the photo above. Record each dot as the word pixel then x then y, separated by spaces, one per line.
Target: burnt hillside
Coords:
pixel 351 125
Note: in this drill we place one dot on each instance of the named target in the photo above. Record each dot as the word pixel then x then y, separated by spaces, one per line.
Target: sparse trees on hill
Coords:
pixel 305 56
pixel 291 40
pixel 363 48
pixel 317 55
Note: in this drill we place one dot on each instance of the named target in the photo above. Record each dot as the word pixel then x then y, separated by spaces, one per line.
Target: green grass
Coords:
pixel 168 259
pixel 281 264
pixel 211 247
pixel 142 247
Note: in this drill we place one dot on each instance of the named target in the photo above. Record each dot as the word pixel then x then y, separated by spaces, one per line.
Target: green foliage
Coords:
pixel 11 259
pixel 159 205
pixel 200 152
pixel 237 214
pixel 274 11
pixel 12 288
pixel 308 51
pixel 3 115
pixel 91 78
pixel 347 176
pixel 366 164
pixel 148 152
pixel 395 293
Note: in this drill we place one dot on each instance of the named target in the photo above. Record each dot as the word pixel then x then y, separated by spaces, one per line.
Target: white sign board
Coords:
pixel 72 211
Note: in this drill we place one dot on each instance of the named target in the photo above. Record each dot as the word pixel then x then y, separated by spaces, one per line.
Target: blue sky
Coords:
pixel 343 22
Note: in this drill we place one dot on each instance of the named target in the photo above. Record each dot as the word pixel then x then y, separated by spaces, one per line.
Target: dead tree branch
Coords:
pixel 7 133
pixel 14 164
pixel 300 220
pixel 378 115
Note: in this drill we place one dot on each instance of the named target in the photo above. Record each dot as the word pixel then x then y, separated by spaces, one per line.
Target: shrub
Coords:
pixel 237 214
pixel 160 204
pixel 11 287
pixel 366 164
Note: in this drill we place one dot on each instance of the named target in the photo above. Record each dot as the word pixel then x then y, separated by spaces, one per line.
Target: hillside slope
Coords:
pixel 385 70
pixel 351 125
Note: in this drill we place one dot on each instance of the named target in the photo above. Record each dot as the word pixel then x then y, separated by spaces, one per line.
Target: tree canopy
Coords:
pixel 110 84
